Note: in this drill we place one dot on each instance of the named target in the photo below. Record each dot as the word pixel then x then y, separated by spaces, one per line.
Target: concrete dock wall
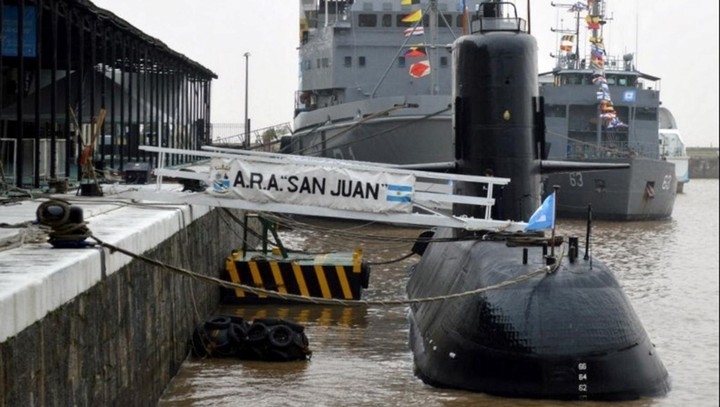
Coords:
pixel 120 341
pixel 704 162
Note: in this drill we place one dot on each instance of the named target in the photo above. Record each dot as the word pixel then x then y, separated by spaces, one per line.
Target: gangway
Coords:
pixel 323 187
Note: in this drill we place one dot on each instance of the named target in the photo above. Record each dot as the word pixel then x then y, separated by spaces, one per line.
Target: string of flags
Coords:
pixel 413 17
pixel 421 68
pixel 414 31
pixel 416 51
pixel 566 43
pixel 597 60
pixel 597 65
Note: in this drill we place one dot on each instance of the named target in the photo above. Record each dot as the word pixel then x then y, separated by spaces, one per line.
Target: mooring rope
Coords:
pixel 65 228
pixel 327 301
pixel 401 258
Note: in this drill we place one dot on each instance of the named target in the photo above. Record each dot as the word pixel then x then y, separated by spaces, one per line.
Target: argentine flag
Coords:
pixel 544 216
pixel 399 193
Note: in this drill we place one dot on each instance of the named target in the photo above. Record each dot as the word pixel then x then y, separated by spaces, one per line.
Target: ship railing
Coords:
pixel 578 150
pixel 293 184
pixel 233 134
pixel 489 17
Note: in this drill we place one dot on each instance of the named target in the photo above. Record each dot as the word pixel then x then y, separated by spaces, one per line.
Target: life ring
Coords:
pixel 281 336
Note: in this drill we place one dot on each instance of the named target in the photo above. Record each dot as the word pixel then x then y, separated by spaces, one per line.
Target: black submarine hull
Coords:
pixel 570 334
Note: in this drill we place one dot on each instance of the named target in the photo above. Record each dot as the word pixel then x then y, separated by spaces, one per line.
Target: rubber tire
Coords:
pixel 257 332
pixel 220 322
pixel 277 321
pixel 237 333
pixel 281 336
pixel 301 341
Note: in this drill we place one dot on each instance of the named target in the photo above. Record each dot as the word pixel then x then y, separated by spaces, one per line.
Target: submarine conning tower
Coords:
pixel 569 332
pixel 496 117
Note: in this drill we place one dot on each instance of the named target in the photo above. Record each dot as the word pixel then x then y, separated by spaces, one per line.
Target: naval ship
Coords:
pixel 375 80
pixel 672 148
pixel 375 85
pixel 601 108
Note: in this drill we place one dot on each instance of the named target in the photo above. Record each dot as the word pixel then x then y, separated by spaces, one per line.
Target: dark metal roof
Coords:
pixel 108 16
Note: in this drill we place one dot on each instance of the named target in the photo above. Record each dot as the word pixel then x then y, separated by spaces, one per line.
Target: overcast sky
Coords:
pixel 673 39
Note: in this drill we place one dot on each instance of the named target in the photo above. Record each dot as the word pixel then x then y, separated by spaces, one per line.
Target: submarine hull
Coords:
pixel 570 334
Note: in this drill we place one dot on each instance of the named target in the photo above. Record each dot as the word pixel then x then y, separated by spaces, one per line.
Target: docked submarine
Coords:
pixel 570 333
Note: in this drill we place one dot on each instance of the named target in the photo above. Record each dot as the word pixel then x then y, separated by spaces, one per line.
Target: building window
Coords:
pixel 443 61
pixel 348 61
pixel 317 62
pixel 361 61
pixel 387 20
pixel 325 63
pixel 367 20
pixel 554 110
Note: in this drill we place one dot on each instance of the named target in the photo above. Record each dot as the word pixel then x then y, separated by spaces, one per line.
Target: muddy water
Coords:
pixel 669 269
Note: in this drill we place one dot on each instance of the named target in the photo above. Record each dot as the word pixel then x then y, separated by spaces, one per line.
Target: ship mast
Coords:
pixel 573 57
pixel 595 11
pixel 432 49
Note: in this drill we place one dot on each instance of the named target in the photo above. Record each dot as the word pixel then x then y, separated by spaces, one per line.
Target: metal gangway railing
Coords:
pixel 324 187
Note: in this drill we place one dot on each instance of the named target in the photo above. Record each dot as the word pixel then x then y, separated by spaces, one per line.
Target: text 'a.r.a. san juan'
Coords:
pixel 337 188
pixel 314 185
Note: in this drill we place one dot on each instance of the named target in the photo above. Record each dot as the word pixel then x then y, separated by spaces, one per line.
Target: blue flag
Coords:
pixel 544 216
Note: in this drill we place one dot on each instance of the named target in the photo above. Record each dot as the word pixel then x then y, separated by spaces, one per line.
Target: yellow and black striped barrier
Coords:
pixel 333 275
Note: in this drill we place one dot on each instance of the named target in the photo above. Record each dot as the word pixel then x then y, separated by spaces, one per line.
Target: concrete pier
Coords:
pixel 703 162
pixel 88 326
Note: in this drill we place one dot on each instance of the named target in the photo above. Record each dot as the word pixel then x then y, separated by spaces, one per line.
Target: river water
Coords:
pixel 669 269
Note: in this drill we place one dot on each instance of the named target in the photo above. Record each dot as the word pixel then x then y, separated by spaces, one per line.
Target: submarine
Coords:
pixel 568 332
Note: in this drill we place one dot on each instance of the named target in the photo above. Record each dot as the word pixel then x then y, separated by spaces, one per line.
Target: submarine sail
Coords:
pixel 567 332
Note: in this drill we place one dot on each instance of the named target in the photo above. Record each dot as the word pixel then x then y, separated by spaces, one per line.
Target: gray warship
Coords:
pixel 603 109
pixel 375 88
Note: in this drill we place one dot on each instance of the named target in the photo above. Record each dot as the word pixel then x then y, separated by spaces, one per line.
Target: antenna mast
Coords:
pixel 572 58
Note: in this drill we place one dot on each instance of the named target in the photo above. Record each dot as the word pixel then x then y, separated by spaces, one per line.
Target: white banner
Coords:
pixel 337 188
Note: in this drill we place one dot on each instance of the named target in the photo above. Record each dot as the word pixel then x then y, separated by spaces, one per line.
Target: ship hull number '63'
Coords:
pixel 576 180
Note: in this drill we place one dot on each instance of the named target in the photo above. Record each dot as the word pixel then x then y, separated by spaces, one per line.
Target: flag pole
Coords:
pixel 587 235
pixel 556 188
